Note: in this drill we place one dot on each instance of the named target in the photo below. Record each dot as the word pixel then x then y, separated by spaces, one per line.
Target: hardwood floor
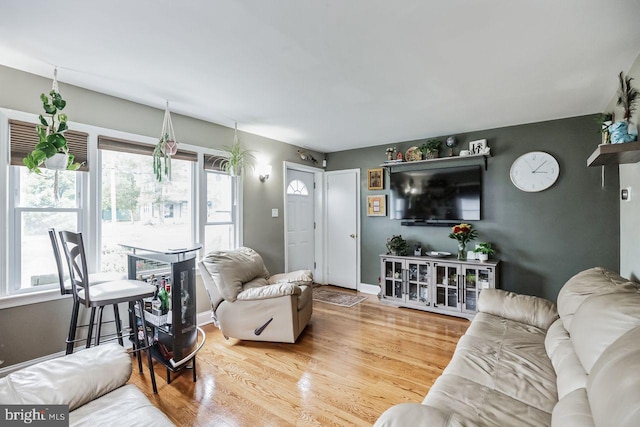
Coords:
pixel 347 367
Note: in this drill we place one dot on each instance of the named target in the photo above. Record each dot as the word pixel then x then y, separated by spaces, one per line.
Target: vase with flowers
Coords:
pixel 463 233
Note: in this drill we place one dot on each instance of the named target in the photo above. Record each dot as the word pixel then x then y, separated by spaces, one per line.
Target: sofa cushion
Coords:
pixel 126 406
pixel 573 410
pixel 231 269
pixel 481 405
pixel 601 320
pixel 527 309
pixel 298 276
pixel 508 357
pixel 614 384
pixel 569 371
pixel 594 281
pixel 72 380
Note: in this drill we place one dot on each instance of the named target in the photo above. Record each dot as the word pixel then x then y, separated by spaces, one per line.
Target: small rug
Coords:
pixel 337 298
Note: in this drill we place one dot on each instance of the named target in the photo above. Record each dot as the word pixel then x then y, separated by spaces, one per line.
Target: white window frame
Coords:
pixel 90 193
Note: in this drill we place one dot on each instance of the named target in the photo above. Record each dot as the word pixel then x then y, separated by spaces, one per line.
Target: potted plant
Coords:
pixel 162 152
pixel 604 120
pixel 484 249
pixel 627 99
pixel 396 245
pixel 52 149
pixel 463 233
pixel 430 149
pixel 238 158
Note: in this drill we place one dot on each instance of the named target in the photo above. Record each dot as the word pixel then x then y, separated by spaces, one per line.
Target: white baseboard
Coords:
pixel 204 318
pixel 201 318
pixel 366 288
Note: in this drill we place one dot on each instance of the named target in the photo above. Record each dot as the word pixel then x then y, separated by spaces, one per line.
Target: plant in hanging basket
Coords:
pixel 166 147
pixel 162 157
pixel 51 141
pixel 238 159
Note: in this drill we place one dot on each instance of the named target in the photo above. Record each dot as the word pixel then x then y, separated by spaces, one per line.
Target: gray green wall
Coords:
pixel 541 238
pixel 630 210
pixel 36 330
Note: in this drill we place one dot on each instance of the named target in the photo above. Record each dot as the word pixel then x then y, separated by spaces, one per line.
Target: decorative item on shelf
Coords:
pixel 451 142
pixel 413 154
pixel 430 149
pixel 464 153
pixel 307 157
pixel 166 147
pixel 417 249
pixel 605 120
pixel 463 233
pixel 483 250
pixel 377 205
pixel 478 147
pixel 627 99
pixel 396 245
pixel 238 158
pixel 389 152
pixel 375 179
pixel 52 150
pixel 399 156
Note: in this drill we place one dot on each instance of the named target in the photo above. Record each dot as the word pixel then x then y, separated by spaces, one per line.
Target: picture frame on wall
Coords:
pixel 375 179
pixel 377 205
pixel 478 147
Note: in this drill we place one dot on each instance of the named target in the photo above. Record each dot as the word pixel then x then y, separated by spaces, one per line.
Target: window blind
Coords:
pixel 23 138
pixel 213 162
pixel 123 145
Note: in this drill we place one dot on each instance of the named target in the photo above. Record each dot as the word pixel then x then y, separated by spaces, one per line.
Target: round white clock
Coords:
pixel 534 171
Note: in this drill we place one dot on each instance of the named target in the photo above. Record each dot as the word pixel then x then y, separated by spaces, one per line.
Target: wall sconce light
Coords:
pixel 263 172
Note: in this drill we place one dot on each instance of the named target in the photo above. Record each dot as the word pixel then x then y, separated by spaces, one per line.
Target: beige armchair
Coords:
pixel 249 304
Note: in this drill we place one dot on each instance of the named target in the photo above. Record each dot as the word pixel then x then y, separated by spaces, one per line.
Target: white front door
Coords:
pixel 343 227
pixel 300 220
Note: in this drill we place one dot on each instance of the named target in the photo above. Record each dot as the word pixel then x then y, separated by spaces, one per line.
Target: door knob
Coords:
pixel 353 236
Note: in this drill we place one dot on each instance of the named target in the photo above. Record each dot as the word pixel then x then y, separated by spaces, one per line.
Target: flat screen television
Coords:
pixel 437 195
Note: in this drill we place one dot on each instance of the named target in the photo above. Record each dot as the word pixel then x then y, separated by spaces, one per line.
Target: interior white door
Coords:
pixel 300 220
pixel 343 197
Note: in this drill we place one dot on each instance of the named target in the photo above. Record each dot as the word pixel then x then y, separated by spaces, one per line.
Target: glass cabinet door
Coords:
pixel 475 279
pixel 392 279
pixel 446 282
pixel 418 275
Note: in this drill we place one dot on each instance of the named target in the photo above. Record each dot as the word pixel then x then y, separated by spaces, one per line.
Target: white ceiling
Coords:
pixel 335 74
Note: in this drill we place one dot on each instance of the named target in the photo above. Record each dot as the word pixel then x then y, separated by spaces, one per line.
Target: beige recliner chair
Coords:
pixel 249 304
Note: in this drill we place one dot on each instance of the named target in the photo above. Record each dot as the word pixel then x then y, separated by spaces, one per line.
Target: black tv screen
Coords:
pixel 437 195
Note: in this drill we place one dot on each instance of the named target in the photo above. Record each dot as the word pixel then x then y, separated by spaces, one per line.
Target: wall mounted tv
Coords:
pixel 436 195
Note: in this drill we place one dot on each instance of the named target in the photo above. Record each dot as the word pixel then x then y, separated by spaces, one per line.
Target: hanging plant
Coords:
pixel 166 147
pixel 52 150
pixel 238 160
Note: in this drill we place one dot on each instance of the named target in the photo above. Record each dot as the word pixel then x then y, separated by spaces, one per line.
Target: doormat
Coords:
pixel 336 298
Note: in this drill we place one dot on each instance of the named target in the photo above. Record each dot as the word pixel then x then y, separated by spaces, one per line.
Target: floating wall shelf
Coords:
pixel 439 160
pixel 615 154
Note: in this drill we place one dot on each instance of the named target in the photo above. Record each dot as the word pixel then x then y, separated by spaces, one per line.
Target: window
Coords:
pixel 34 212
pixel 220 228
pixel 117 200
pixel 298 188
pixel 138 210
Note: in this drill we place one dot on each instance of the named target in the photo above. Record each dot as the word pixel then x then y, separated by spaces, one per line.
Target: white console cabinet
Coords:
pixel 441 285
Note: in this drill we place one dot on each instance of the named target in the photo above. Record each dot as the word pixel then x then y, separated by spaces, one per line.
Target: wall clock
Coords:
pixel 534 171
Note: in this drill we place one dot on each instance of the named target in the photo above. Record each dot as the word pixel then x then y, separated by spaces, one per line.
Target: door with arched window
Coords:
pixel 299 199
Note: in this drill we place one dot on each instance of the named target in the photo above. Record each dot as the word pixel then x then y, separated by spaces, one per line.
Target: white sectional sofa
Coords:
pixel 92 382
pixel 520 365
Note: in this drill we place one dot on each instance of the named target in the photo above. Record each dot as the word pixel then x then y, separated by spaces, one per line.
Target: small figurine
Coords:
pixel 399 156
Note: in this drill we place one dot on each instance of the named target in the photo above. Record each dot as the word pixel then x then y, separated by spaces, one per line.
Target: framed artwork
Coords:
pixel 478 147
pixel 375 179
pixel 377 205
